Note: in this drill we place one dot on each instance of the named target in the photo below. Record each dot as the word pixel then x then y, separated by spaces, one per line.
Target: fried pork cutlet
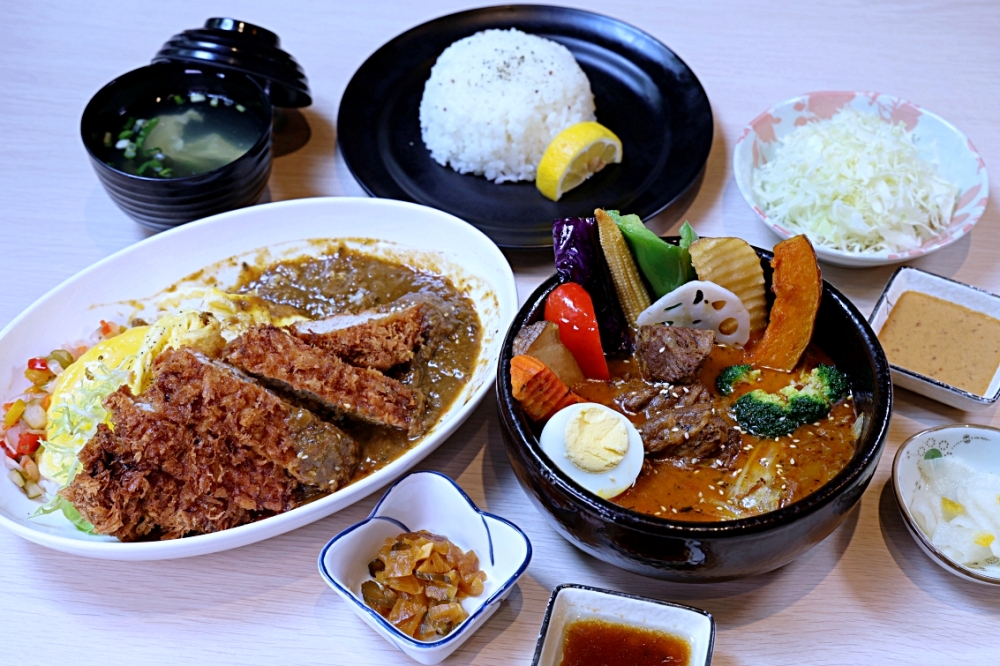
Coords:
pixel 204 448
pixel 287 363
pixel 379 340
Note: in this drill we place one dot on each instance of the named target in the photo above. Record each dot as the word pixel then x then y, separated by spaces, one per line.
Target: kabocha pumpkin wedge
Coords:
pixel 538 389
pixel 798 288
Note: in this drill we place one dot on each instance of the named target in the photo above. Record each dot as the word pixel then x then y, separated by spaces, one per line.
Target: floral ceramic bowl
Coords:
pixel 978 447
pixel 959 162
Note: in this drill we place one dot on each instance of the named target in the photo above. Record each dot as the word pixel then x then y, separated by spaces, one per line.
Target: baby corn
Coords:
pixel 628 284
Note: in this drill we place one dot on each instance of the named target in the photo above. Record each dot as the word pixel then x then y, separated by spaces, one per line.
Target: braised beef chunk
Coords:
pixel 373 339
pixel 204 448
pixel 671 353
pixel 682 423
pixel 289 364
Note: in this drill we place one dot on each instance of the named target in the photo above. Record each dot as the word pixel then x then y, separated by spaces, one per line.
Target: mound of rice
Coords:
pixel 496 99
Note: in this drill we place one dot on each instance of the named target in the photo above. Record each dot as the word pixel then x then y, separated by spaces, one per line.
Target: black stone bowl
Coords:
pixel 708 551
pixel 161 203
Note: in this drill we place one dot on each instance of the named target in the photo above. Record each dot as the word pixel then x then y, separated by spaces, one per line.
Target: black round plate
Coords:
pixel 644 93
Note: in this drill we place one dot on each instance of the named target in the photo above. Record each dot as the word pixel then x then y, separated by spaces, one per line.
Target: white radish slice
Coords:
pixel 704 305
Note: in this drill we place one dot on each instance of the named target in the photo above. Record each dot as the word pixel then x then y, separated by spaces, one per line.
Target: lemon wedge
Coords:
pixel 574 155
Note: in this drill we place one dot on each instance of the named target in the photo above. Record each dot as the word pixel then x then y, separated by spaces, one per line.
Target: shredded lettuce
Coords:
pixel 60 503
pixel 855 183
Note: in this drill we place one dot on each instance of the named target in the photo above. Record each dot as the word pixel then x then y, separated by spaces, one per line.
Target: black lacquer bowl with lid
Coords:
pixel 230 59
pixel 708 551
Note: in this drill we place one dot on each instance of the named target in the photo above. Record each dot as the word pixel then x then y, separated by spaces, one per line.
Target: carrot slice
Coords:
pixel 538 389
pixel 798 288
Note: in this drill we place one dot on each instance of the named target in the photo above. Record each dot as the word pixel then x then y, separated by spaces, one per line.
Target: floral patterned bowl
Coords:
pixel 976 445
pixel 958 160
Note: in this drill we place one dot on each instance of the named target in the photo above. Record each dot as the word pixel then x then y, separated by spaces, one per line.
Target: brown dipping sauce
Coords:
pixel 347 281
pixel 797 464
pixel 943 340
pixel 602 643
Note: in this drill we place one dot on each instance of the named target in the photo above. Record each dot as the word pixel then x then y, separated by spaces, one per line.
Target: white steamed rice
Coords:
pixel 496 99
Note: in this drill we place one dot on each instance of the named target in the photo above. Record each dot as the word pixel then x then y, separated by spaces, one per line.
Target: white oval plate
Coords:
pixel 424 236
pixel 958 160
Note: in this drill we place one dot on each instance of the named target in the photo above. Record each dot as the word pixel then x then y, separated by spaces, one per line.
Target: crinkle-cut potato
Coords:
pixel 733 264
pixel 798 289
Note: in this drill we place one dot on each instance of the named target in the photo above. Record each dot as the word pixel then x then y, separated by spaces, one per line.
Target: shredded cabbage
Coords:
pixel 855 183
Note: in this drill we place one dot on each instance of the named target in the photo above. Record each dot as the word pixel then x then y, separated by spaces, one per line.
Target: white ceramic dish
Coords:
pixel 959 161
pixel 433 502
pixel 906 279
pixel 428 237
pixel 976 445
pixel 569 603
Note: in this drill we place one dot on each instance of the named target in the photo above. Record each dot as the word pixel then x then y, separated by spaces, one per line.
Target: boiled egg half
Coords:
pixel 595 446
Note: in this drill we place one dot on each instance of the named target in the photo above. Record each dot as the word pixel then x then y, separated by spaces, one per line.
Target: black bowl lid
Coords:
pixel 243 47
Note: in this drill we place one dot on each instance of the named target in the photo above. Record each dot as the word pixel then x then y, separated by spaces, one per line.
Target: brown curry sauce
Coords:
pixel 345 280
pixel 801 462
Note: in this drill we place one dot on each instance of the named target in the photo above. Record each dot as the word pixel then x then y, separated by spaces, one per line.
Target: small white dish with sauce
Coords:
pixel 975 445
pixel 907 279
pixel 428 501
pixel 570 603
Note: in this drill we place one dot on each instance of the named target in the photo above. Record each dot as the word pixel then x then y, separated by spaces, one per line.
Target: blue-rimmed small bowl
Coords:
pixel 433 502
pixel 569 603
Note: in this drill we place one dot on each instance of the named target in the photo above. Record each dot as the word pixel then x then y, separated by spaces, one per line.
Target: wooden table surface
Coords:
pixel 866 595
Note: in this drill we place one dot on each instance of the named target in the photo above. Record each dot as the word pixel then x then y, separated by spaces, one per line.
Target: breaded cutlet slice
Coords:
pixel 216 399
pixel 379 340
pixel 284 361
pixel 153 478
pixel 204 448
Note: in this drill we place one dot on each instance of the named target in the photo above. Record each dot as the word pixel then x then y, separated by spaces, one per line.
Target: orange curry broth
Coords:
pixel 808 457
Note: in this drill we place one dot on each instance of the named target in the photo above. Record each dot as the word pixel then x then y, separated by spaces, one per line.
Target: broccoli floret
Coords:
pixel 735 374
pixel 776 414
pixel 806 407
pixel 830 382
pixel 764 414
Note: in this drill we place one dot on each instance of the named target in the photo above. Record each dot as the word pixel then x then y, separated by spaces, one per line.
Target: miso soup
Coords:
pixel 182 135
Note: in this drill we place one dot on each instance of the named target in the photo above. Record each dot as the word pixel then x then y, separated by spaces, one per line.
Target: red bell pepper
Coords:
pixel 38 364
pixel 569 306
pixel 27 444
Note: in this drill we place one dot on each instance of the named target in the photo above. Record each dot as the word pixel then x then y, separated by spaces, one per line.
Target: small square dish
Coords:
pixel 571 603
pixel 967 522
pixel 428 501
pixel 908 279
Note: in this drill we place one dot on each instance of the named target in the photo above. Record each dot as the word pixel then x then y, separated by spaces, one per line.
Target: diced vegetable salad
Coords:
pixel 25 417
